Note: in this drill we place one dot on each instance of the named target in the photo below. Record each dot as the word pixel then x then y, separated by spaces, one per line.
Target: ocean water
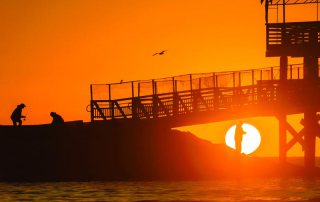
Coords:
pixel 274 189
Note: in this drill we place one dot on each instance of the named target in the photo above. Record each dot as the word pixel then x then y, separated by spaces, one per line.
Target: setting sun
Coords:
pixel 251 138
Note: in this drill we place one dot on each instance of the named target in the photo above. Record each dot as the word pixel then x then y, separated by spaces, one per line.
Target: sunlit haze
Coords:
pixel 51 51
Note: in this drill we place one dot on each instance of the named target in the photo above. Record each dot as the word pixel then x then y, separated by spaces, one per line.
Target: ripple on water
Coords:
pixel 221 190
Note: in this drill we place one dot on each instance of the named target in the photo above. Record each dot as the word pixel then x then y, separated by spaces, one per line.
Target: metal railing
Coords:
pixel 186 94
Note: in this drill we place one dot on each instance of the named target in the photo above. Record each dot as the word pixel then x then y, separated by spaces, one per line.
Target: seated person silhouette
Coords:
pixel 238 137
pixel 57 120
pixel 16 115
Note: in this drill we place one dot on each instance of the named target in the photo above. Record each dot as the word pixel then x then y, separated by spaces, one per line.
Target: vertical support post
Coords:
pixel 282 138
pixel 175 100
pixel 272 89
pixel 284 11
pixel 139 89
pixel 252 89
pixel 290 72
pixel 110 102
pixel 132 89
pixel 317 10
pixel 154 87
pixel 310 115
pixel 173 85
pixel 252 77
pixel 154 100
pixel 282 113
pixel 91 104
pixel 109 89
pixel 234 79
pixel 277 13
pixel 267 11
pixel 190 77
pixel 216 94
pixel 234 91
pixel 133 102
pixel 283 68
pixel 213 89
pixel 112 109
pixel 214 80
pixel 310 118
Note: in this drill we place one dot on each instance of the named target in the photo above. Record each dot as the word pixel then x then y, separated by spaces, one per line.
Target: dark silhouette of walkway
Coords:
pixel 200 98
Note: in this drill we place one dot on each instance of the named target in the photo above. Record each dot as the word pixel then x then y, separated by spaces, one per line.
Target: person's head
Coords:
pixel 52 114
pixel 22 105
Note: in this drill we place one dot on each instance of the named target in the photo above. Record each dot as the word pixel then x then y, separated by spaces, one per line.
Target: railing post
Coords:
pixel 109 89
pixel 214 80
pixel 252 77
pixel 175 103
pixel 112 109
pixel 290 72
pixel 252 90
pixel 91 104
pixel 132 89
pixel 175 100
pixel 216 94
pixel 134 108
pixel 111 102
pixel 234 79
pixel 234 91
pixel 154 91
pixel 272 89
pixel 173 84
pixel 154 100
pixel 190 77
pixel 213 86
pixel 240 94
pixel 133 104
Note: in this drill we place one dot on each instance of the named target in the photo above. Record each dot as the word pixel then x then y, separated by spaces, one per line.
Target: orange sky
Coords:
pixel 51 51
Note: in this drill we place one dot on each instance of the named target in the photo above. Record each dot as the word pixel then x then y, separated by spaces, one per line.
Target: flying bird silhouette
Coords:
pixel 160 53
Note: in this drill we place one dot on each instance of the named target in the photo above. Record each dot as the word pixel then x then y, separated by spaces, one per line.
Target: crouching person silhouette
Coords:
pixel 17 115
pixel 57 120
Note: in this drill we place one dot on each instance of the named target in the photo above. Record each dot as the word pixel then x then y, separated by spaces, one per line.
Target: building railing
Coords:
pixel 187 94
pixel 138 89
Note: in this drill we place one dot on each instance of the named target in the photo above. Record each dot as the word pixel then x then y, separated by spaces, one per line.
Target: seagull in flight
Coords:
pixel 160 53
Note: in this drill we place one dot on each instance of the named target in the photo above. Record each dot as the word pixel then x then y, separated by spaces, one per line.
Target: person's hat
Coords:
pixel 22 105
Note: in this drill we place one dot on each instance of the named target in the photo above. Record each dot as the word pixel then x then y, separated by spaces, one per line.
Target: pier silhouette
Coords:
pixel 220 96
